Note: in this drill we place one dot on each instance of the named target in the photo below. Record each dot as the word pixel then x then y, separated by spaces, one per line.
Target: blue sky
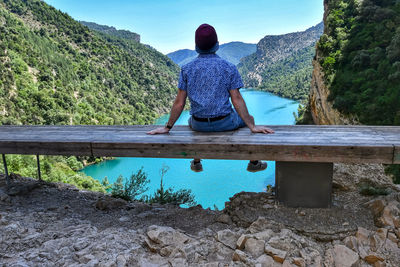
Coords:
pixel 169 25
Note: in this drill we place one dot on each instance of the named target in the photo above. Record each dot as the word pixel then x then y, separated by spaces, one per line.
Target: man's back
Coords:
pixel 207 80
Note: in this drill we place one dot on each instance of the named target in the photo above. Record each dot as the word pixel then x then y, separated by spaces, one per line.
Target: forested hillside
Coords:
pixel 54 70
pixel 282 63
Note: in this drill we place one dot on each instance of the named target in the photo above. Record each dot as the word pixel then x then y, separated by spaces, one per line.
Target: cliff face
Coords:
pixel 322 110
pixel 356 74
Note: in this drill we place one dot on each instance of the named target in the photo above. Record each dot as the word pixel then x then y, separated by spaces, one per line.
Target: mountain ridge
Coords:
pixel 232 52
pixel 125 34
pixel 269 68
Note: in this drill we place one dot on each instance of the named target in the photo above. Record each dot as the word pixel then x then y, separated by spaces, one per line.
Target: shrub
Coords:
pixel 133 187
pixel 164 196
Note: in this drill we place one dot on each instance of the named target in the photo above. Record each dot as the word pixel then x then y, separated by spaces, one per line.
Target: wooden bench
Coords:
pixel 304 154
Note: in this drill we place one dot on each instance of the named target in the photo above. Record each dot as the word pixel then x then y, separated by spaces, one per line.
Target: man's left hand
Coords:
pixel 160 130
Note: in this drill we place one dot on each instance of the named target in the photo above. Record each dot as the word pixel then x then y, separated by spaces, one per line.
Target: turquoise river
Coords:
pixel 221 179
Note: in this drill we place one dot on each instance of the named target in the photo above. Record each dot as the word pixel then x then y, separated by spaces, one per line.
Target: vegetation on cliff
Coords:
pixel 54 70
pixel 53 169
pixel 282 64
pixel 360 56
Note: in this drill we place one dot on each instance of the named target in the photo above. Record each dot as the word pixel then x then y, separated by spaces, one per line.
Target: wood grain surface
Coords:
pixel 311 143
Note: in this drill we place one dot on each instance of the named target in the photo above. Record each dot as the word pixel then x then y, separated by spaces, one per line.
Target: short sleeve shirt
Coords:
pixel 207 80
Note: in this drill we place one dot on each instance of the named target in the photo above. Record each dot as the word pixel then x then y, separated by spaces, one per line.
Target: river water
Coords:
pixel 220 179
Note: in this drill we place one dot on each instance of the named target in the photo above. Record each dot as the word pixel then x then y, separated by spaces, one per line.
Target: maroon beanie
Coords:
pixel 206 37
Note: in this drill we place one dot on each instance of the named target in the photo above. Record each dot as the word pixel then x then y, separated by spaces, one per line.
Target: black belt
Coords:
pixel 210 119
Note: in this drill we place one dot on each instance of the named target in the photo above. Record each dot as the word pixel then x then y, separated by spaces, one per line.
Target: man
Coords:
pixel 209 81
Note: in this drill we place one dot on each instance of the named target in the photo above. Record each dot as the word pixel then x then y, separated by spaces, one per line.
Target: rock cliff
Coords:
pixel 322 110
pixel 357 64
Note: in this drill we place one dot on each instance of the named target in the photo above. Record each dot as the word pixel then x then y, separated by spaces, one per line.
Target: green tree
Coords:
pixel 133 187
pixel 164 196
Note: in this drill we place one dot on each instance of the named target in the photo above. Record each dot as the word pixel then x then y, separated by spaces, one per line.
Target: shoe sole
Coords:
pixel 256 170
pixel 266 167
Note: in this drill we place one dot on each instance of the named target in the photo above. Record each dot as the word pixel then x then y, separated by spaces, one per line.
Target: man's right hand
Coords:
pixel 261 129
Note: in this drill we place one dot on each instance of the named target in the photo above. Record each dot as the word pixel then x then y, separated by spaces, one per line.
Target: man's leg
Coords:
pixel 230 123
pixel 195 164
pixel 254 165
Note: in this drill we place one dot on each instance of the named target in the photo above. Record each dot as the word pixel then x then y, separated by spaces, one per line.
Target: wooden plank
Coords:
pixel 190 137
pixel 217 140
pixel 145 128
pixel 73 134
pixel 46 148
pixel 247 152
pixel 289 143
pixel 186 128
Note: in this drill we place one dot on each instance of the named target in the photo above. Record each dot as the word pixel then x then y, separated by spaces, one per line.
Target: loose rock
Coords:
pixel 224 218
pixel 254 247
pixel 110 203
pixel 277 254
pixel 373 258
pixel 343 256
pixel 228 238
pixel 241 241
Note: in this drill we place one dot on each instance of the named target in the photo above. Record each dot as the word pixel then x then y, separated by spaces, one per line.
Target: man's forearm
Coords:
pixel 175 113
pixel 241 109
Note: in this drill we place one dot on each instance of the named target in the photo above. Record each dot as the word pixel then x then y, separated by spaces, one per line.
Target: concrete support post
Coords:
pixel 304 184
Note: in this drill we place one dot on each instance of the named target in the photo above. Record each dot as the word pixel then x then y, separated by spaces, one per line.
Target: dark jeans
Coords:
pixel 229 123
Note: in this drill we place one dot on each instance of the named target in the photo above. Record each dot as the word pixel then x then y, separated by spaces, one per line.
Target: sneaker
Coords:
pixel 196 166
pixel 259 166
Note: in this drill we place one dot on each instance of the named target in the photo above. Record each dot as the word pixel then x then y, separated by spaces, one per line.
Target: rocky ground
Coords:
pixel 47 224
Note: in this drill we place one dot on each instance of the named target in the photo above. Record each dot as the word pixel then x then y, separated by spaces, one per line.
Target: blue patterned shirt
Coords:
pixel 207 80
